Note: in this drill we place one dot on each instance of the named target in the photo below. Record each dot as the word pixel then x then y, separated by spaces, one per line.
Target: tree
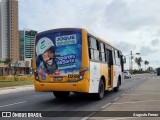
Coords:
pixel 146 63
pixel 8 62
pixel 16 68
pixel 138 61
pixel 150 69
pixel 1 62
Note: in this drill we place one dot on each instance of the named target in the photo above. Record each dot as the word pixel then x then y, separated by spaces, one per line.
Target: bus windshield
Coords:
pixel 58 52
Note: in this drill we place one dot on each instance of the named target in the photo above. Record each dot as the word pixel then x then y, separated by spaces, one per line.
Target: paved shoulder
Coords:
pixel 143 98
pixel 15 89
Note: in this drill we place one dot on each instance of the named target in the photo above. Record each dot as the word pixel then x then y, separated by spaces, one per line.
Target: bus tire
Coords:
pixel 101 91
pixel 61 94
pixel 116 89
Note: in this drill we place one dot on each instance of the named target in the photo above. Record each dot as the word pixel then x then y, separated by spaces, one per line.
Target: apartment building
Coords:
pixel 9 35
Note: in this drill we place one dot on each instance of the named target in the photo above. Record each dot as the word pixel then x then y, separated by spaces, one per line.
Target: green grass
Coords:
pixel 15 83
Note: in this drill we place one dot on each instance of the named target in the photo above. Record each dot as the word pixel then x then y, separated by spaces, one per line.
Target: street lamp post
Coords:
pixel 131 60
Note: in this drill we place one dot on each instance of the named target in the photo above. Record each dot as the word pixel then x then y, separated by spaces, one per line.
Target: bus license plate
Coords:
pixel 58 78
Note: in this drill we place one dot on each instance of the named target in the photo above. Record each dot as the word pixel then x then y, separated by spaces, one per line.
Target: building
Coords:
pixel 9 35
pixel 0 33
pixel 26 44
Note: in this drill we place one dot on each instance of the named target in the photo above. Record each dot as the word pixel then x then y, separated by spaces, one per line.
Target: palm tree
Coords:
pixel 8 62
pixel 138 61
pixel 146 63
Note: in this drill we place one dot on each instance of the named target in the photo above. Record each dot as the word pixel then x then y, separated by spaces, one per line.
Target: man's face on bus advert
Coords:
pixel 48 57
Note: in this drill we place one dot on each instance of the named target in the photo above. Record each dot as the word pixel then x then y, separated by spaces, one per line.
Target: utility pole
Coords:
pixel 131 61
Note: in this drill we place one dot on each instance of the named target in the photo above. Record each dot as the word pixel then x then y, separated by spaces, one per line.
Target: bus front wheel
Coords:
pixel 61 94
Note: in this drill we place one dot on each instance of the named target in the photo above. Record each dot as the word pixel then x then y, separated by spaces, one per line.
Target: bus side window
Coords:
pixel 114 58
pixel 96 55
pixel 98 45
pixel 93 49
pixel 118 54
pixel 89 42
pixel 109 56
pixel 117 57
pixel 91 54
pixel 102 54
pixel 93 43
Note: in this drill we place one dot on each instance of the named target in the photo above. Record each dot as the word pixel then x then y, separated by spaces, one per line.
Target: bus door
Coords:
pixel 110 63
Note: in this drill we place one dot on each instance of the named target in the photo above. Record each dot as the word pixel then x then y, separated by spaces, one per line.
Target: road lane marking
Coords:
pixel 132 89
pixel 120 118
pixel 90 115
pixel 13 104
pixel 145 94
pixel 152 84
pixel 116 99
pixel 136 102
pixel 106 105
pixel 123 94
pixel 128 91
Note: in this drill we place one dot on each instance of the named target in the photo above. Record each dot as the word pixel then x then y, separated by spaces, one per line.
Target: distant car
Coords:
pixel 127 75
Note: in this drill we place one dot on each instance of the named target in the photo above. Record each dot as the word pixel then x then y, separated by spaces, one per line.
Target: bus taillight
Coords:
pixel 82 72
pixel 36 75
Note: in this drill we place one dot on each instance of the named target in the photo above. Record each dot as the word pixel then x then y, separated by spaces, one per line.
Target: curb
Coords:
pixel 14 89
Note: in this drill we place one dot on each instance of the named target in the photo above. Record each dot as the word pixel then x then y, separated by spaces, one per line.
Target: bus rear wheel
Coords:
pixel 61 94
pixel 116 89
pixel 101 91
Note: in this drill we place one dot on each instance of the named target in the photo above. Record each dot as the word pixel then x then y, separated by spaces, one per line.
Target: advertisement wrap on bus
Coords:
pixel 58 53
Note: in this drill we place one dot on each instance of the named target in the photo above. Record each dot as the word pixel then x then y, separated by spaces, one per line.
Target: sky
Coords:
pixel 129 25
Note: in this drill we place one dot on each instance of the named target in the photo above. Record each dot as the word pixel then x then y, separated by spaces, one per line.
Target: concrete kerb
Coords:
pixel 15 89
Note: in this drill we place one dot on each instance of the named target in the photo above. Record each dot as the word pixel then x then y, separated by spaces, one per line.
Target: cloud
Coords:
pixel 146 50
pixel 131 15
pixel 93 15
pixel 124 46
pixel 49 14
pixel 155 42
pixel 129 25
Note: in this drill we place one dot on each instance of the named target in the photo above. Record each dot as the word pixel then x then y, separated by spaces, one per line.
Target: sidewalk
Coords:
pixel 145 97
pixel 15 89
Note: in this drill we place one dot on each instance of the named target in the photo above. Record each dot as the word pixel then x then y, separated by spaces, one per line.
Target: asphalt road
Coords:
pixel 42 101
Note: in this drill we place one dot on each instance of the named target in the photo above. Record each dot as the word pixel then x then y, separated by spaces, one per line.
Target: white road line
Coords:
pixel 136 102
pixel 145 94
pixel 106 105
pixel 152 85
pixel 123 94
pixel 128 91
pixel 90 115
pixel 120 118
pixel 132 89
pixel 116 99
pixel 13 104
pixel 85 118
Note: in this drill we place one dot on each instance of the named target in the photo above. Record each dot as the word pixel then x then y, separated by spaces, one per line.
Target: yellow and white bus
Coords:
pixel 72 60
